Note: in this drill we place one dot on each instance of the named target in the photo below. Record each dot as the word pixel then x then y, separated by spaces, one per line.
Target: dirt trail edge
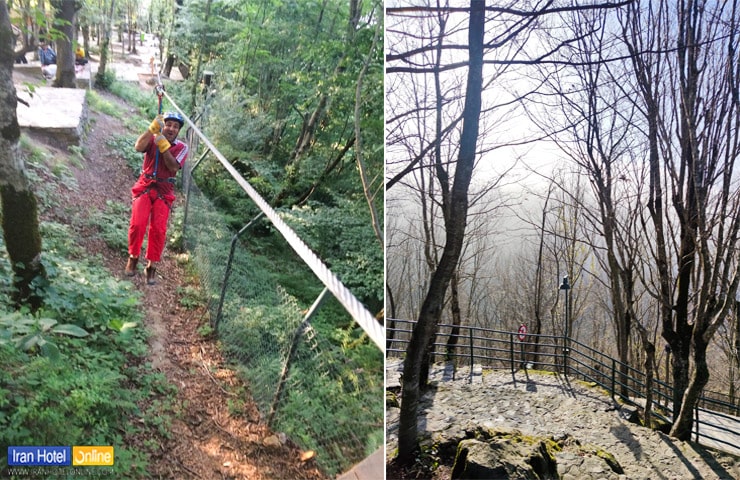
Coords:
pixel 207 440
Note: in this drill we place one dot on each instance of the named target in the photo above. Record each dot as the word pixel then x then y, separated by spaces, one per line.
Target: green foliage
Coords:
pixel 88 387
pixel 98 104
pixel 174 232
pixel 105 80
pixel 342 236
pixel 146 102
pixel 78 156
pixel 44 170
pixel 190 297
pixel 33 333
pixel 123 146
pixel 112 224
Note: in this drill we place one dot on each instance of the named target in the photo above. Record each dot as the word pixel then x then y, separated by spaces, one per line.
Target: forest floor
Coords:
pixel 206 440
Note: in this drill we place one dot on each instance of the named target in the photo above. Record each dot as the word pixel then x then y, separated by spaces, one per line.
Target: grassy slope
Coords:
pixel 60 389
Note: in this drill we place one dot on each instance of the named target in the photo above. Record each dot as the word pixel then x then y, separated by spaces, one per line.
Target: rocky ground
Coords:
pixel 572 413
pixel 207 440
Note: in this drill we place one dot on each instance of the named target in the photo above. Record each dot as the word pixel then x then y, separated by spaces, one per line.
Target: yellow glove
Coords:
pixel 162 143
pixel 157 125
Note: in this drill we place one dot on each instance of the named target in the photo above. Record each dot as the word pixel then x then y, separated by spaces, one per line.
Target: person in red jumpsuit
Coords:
pixel 153 193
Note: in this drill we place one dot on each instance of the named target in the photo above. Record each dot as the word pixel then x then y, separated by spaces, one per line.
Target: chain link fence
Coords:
pixel 299 373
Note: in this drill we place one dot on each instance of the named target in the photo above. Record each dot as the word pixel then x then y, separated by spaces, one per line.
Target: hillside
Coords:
pixel 582 420
pixel 205 437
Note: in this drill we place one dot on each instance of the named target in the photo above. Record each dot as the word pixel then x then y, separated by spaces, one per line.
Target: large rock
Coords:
pixel 505 455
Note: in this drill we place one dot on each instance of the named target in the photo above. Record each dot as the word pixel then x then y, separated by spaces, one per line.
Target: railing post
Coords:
pixel 472 355
pixel 614 378
pixel 511 352
pixel 524 355
pixel 696 421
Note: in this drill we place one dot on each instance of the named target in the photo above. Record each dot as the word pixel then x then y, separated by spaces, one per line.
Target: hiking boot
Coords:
pixel 131 265
pixel 149 270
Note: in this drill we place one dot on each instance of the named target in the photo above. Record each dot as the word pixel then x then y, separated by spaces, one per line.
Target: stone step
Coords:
pixel 57 113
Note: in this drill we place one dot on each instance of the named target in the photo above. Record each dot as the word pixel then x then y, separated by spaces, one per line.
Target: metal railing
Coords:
pixel 715 423
pixel 298 376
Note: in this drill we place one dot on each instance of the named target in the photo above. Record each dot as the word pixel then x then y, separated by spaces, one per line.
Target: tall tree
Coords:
pixel 510 26
pixel 65 11
pixel 591 126
pixel 105 34
pixel 19 212
pixel 455 221
pixel 686 69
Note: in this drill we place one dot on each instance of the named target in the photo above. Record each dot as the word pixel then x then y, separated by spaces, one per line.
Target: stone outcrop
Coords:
pixel 588 434
pixel 505 454
pixel 508 453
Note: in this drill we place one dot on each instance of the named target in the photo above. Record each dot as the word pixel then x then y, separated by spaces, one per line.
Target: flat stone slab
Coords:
pixel 60 113
pixel 372 468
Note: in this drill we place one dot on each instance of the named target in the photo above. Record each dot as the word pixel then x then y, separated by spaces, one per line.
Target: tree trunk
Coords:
pixel 455 223
pixel 367 183
pixel 65 76
pixel 19 212
pixel 456 318
pixel 168 64
pixel 105 47
pixel 734 351
pixel 649 348
pixel 86 39
pixel 683 424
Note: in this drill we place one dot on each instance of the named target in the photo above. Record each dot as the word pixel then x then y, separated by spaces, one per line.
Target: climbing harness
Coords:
pixel 159 90
pixel 159 179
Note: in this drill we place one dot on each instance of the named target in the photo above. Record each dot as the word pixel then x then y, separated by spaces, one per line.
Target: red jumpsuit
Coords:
pixel 152 200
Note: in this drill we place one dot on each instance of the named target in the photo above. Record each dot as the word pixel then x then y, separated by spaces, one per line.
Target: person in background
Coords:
pixel 154 191
pixel 48 59
pixel 80 58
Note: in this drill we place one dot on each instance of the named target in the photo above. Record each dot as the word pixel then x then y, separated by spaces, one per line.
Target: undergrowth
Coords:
pixel 332 399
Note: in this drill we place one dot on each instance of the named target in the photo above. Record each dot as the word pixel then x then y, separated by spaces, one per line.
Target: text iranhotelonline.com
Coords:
pixel 56 456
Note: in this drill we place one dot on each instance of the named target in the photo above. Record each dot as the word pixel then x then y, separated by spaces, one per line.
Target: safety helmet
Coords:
pixel 174 116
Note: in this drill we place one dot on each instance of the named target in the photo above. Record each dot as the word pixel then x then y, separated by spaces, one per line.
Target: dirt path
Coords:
pixel 207 440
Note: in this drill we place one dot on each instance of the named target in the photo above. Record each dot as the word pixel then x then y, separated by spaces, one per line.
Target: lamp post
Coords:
pixel 565 287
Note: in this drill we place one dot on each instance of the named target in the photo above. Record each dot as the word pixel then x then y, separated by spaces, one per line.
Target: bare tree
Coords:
pixel 684 57
pixel 455 221
pixel 591 124
pixel 510 27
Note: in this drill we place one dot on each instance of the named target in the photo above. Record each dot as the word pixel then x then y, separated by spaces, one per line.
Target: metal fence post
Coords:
pixel 511 352
pixel 472 355
pixel 696 421
pixel 291 353
pixel 614 379
pixel 227 273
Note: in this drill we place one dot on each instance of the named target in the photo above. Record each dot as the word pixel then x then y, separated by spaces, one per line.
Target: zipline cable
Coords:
pixel 159 89
pixel 362 316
